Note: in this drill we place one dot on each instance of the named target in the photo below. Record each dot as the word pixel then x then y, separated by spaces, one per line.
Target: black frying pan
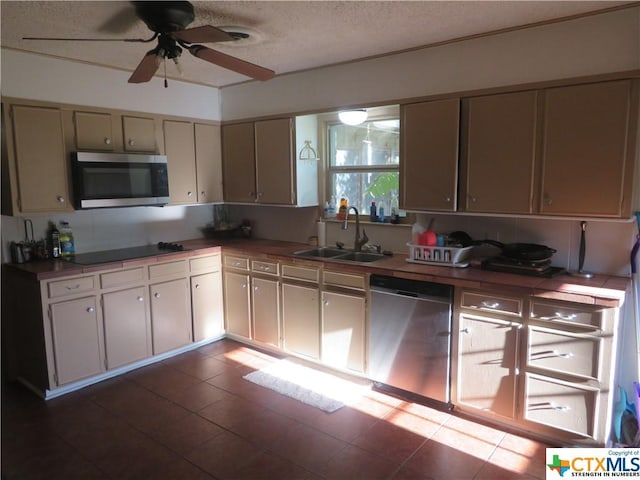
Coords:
pixel 530 252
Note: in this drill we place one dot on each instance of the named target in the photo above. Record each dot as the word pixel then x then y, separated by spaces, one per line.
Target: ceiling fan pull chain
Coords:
pixel 166 84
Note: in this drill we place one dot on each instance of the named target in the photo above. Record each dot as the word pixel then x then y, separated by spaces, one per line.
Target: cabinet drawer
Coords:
pixel 564 352
pixel 561 405
pixel 116 279
pixel 578 315
pixel 205 264
pixel 241 263
pixel 71 286
pixel 310 274
pixel 261 266
pixel 344 280
pixel 492 303
pixel 168 269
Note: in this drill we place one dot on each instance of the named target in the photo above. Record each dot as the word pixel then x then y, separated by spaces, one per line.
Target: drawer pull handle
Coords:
pixel 552 353
pixel 487 304
pixel 548 406
pixel 73 287
pixel 560 316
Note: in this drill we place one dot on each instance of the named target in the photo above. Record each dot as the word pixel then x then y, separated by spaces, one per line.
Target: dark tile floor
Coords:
pixel 194 417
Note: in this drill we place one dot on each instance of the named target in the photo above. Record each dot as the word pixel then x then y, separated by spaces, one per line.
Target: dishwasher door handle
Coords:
pixel 406 294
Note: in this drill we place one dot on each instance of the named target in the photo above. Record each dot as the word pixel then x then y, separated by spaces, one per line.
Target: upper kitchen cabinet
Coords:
pixel 194 162
pixel 94 131
pixel 34 161
pixel 238 163
pixel 139 134
pixel 498 153
pixel 208 162
pixel 258 164
pixel 181 161
pixel 429 156
pixel 588 149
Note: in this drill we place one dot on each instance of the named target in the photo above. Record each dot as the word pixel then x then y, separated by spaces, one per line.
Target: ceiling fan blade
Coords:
pixel 147 68
pixel 203 34
pixel 232 63
pixel 60 39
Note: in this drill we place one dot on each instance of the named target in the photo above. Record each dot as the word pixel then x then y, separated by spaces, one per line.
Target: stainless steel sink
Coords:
pixel 362 257
pixel 338 255
pixel 320 252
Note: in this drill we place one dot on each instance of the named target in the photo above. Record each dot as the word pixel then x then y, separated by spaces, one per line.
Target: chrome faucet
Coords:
pixel 358 242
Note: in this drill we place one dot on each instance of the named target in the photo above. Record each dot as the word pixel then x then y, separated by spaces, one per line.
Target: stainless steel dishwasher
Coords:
pixel 410 336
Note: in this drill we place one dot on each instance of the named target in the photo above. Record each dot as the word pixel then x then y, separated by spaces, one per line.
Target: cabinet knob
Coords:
pixel 91 309
pixel 157 295
pixel 60 199
pixel 132 142
pixel 197 285
pixel 465 330
pixel 547 199
pixel 189 194
pixel 107 141
pixel 141 299
pixel 203 194
pixel 447 199
pixel 472 199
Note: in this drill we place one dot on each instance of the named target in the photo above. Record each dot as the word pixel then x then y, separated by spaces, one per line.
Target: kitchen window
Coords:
pixel 363 162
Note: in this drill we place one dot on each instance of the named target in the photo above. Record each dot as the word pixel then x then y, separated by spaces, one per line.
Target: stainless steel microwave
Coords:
pixel 119 180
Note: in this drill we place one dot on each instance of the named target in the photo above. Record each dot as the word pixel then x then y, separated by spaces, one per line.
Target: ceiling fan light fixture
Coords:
pixel 353 117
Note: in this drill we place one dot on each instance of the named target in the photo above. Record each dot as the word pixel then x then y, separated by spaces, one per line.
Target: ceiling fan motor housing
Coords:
pixel 165 17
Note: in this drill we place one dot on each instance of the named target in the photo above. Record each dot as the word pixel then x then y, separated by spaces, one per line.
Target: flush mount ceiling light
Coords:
pixel 353 117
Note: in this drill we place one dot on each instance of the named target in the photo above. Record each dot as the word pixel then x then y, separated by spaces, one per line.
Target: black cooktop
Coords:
pixel 129 253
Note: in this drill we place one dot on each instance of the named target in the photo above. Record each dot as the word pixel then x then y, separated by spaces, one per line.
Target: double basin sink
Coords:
pixel 339 255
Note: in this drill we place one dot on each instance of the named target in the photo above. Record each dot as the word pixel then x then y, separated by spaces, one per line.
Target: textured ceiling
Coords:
pixel 285 36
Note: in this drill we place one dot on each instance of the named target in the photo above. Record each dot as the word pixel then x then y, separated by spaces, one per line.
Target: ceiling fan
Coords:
pixel 168 21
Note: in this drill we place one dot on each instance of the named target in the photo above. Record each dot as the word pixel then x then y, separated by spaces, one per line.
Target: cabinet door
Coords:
pixel 429 166
pixel 239 163
pixel 487 364
pixel 343 320
pixel 170 315
pixel 274 161
pixel 237 306
pixel 181 161
pixel 126 326
pixel 94 131
pixel 207 306
pixel 499 152
pixel 41 162
pixel 266 310
pixel 587 154
pixel 76 340
pixel 208 163
pixel 139 134
pixel 301 319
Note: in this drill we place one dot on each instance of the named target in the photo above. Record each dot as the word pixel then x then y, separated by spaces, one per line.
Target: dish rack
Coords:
pixel 442 256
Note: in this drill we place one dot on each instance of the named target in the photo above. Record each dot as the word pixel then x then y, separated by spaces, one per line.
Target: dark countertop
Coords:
pixel 603 290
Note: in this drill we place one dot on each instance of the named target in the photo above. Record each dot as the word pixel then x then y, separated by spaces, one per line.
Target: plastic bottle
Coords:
pixel 381 212
pixel 327 209
pixel 395 209
pixel 67 246
pixel 373 214
pixel 332 207
pixel 54 234
pixel 343 209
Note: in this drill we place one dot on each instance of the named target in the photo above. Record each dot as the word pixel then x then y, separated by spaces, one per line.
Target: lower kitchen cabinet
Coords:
pixel 207 306
pixel 301 319
pixel 127 330
pixel 265 300
pixel 536 364
pixel 343 327
pixel 170 315
pixel 237 305
pixel 487 361
pixel 77 339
